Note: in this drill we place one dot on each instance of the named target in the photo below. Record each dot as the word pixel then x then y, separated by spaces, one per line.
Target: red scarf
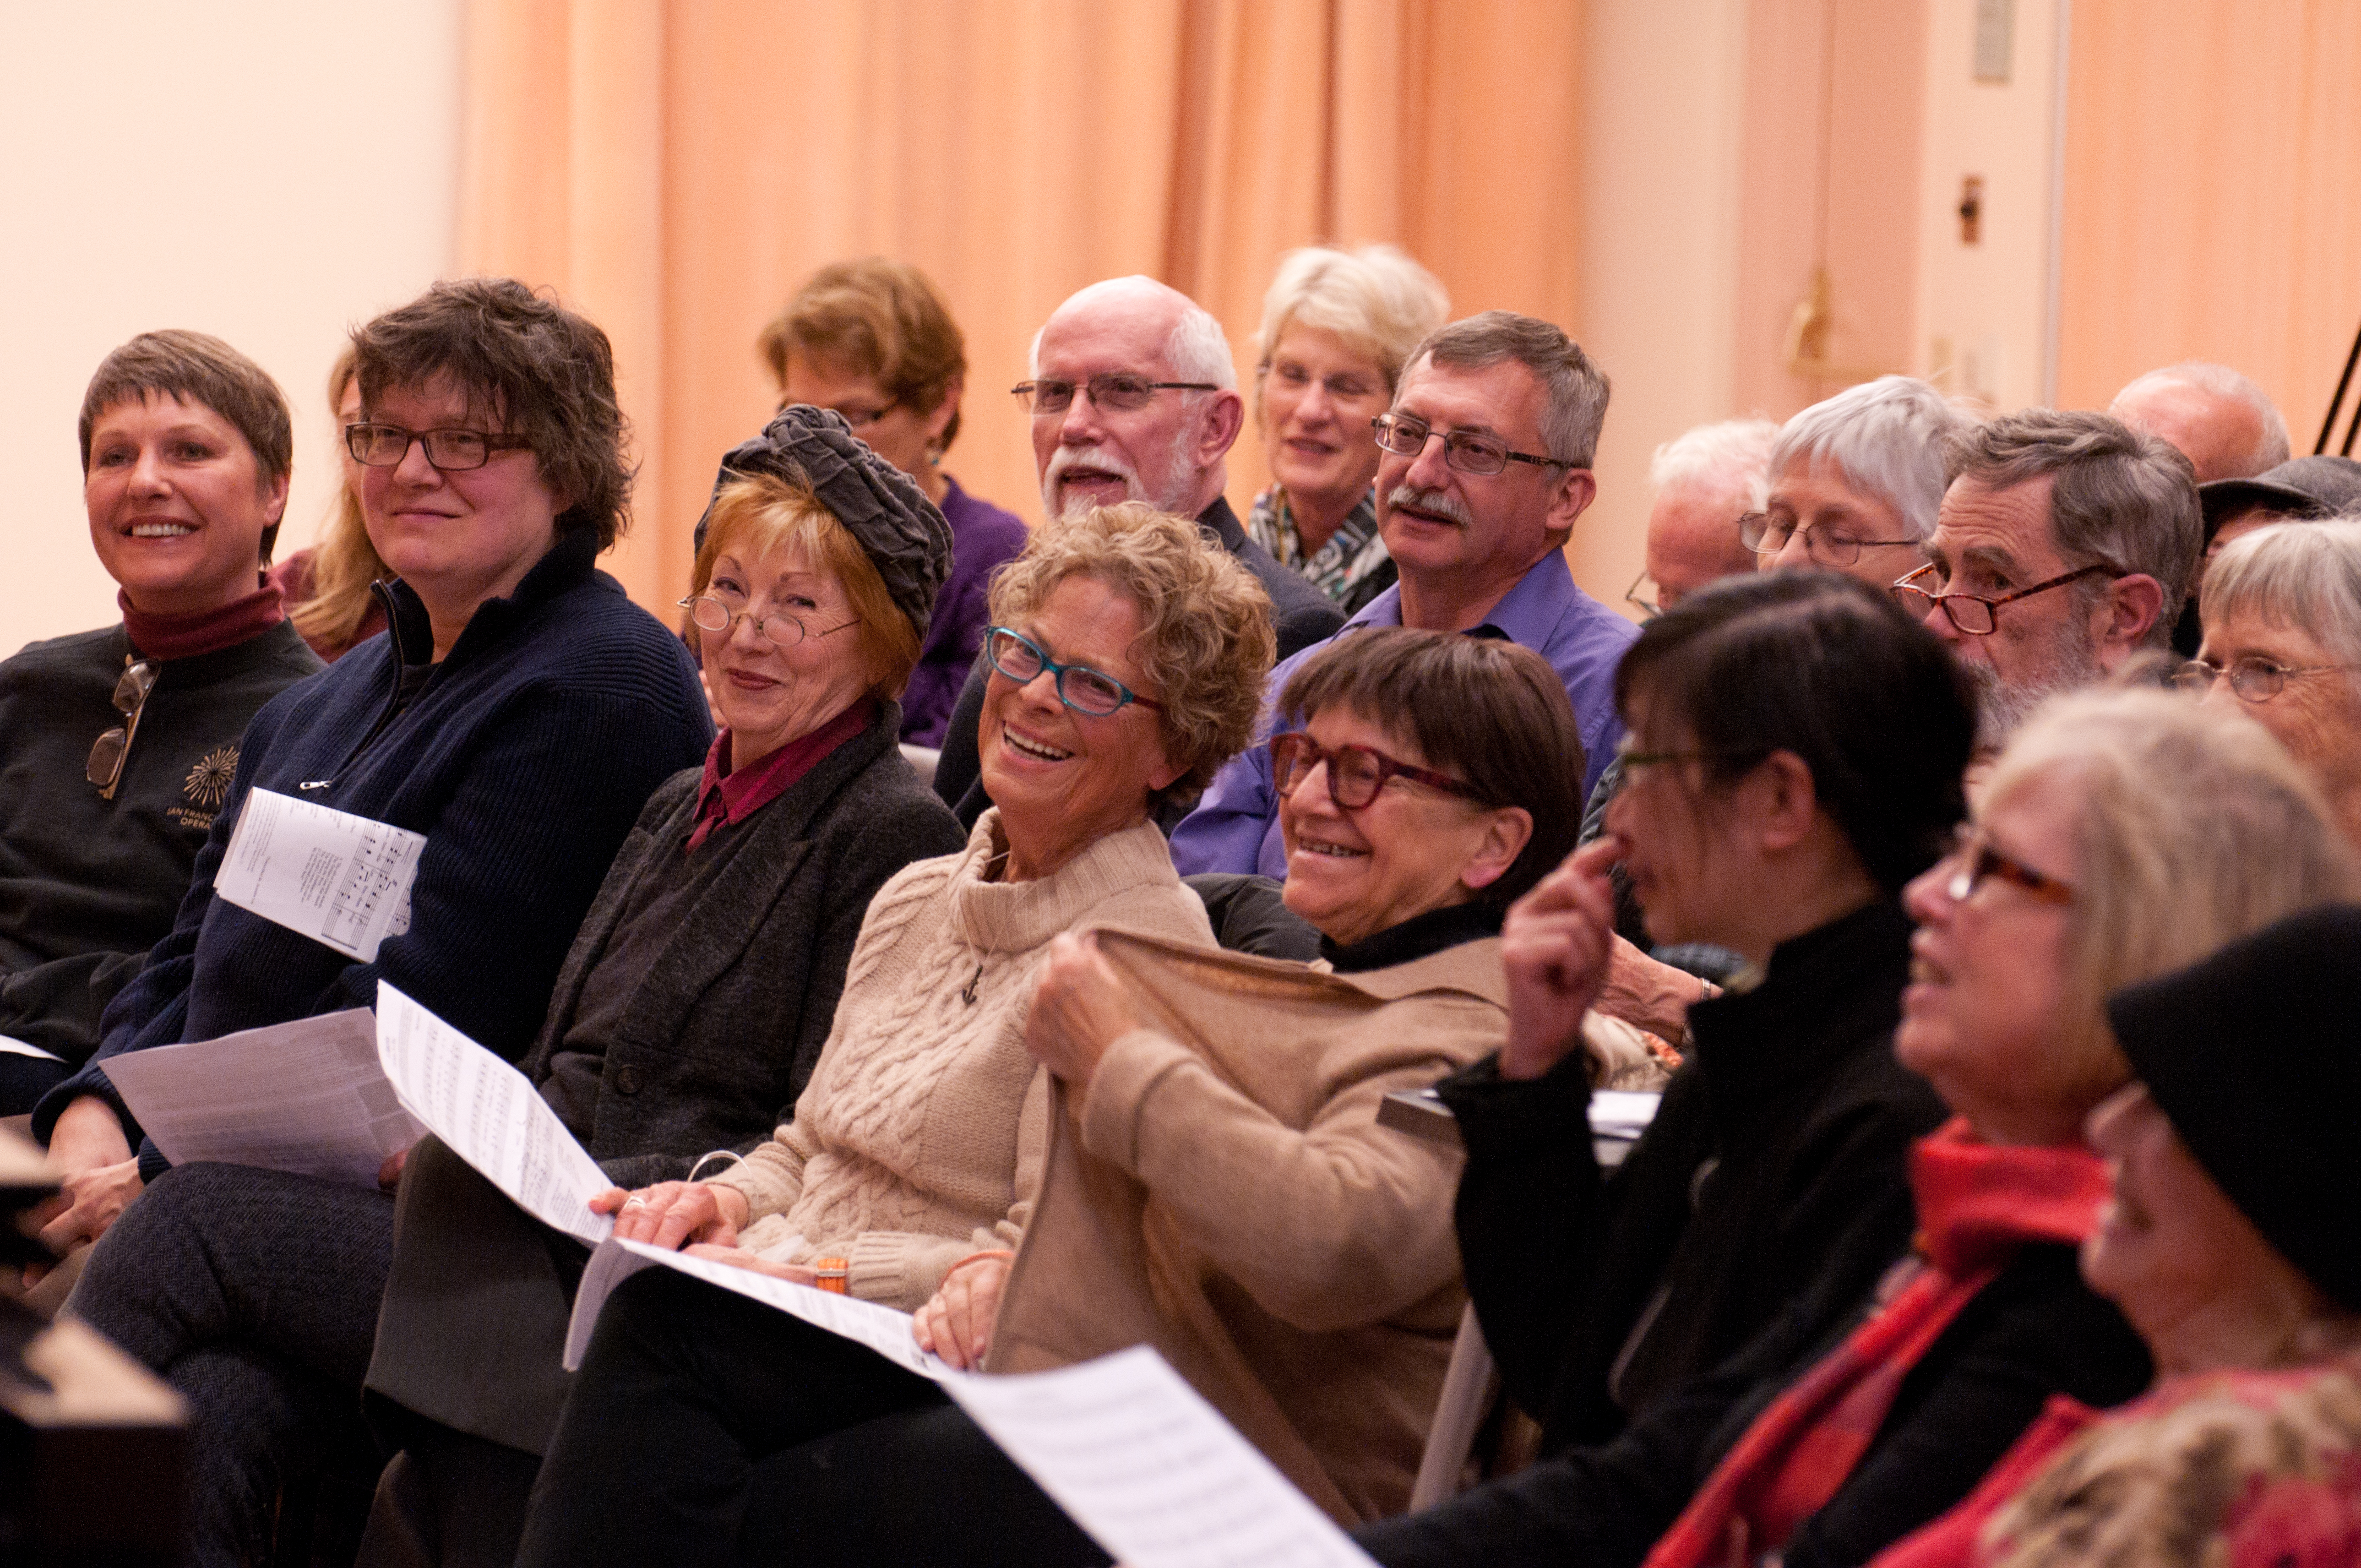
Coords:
pixel 1978 1202
pixel 169 637
pixel 732 797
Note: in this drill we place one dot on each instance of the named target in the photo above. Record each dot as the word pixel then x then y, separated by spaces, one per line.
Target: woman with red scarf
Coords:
pixel 2122 835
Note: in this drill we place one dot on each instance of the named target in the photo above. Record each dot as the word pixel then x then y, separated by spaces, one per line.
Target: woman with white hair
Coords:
pixel 1337 327
pixel 1856 481
pixel 2281 608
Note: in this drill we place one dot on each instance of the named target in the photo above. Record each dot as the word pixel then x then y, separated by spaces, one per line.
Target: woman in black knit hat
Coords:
pixel 2234 1245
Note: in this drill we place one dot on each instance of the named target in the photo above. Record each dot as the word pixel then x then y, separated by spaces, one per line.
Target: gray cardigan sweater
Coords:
pixel 726 1026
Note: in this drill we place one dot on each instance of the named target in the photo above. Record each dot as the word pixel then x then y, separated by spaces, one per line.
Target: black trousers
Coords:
pixel 706 1427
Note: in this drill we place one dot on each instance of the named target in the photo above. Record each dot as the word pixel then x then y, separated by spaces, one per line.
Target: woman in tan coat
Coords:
pixel 1216 1182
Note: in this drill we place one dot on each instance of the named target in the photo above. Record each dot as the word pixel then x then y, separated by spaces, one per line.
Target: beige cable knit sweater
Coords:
pixel 922 1136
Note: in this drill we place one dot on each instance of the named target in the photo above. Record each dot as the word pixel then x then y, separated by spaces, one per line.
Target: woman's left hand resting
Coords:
pixel 672 1212
pixel 956 1323
pixel 1080 1008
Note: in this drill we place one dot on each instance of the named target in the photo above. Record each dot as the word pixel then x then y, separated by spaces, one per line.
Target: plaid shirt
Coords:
pixel 1351 568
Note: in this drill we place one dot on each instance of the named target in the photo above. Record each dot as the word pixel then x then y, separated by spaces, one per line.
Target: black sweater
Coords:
pixel 1776 1169
pixel 87 885
pixel 524 758
pixel 2035 1331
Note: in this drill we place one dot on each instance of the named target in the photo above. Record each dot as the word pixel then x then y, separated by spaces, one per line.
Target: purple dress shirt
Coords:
pixel 982 536
pixel 1235 824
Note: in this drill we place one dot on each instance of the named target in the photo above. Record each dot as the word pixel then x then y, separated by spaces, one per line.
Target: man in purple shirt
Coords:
pixel 1487 464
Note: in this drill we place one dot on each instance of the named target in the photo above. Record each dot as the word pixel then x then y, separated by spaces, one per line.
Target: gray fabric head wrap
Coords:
pixel 881 506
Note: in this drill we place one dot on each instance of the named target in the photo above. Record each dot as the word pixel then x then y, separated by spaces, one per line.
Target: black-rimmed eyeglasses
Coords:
pixel 1080 688
pixel 1974 613
pixel 1406 436
pixel 108 753
pixel 451 451
pixel 1113 392
pixel 1356 773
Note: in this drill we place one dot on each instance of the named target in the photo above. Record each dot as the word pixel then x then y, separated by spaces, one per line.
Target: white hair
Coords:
pixel 1375 298
pixel 2305 575
pixel 1198 349
pixel 2270 448
pixel 1731 457
pixel 1888 436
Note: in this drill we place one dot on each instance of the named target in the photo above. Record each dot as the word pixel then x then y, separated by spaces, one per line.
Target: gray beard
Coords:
pixel 2000 708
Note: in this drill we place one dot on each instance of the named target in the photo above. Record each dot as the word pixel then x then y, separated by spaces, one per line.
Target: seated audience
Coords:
pixel 2123 834
pixel 1337 327
pixel 2282 613
pixel 1796 752
pixel 330 586
pixel 2044 500
pixel 703 983
pixel 1856 481
pixel 2229 1244
pixel 518 714
pixel 121 741
pixel 1487 467
pixel 1133 398
pixel 1217 1184
pixel 2226 425
pixel 916 1156
pixel 1706 481
pixel 875 341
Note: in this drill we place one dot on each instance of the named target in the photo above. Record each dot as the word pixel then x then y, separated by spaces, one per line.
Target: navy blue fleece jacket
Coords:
pixel 524 758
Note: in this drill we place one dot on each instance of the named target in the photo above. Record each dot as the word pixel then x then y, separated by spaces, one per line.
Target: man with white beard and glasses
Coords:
pixel 1134 397
pixel 2065 546
pixel 1487 467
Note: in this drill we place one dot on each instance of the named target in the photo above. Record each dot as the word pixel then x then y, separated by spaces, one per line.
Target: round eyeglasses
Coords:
pixel 1406 436
pixel 451 451
pixel 2253 678
pixel 1973 614
pixel 1356 773
pixel 1080 688
pixel 1767 533
pixel 711 612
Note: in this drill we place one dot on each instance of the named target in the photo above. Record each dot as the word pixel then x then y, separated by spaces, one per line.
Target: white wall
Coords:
pixel 265 171
pixel 1982 309
pixel 1663 86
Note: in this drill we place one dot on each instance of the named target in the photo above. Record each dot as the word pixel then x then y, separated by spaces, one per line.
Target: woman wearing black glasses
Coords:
pixel 518 715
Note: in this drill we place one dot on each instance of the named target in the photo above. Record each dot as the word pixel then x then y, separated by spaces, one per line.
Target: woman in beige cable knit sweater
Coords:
pixel 1128 657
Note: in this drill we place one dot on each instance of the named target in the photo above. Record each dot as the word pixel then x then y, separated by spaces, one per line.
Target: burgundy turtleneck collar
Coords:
pixel 169 637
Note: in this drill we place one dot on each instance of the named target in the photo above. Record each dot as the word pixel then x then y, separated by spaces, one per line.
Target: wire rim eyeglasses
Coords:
pixel 1767 533
pixel 1975 614
pixel 1406 436
pixel 1356 773
pixel 2252 679
pixel 1113 391
pixel 710 612
pixel 1093 693
pixel 112 748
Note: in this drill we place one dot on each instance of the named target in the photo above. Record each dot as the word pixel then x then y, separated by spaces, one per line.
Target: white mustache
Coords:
pixel 1067 458
pixel 1441 502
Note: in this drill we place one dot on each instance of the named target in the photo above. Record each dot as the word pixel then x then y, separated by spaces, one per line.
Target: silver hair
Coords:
pixel 2270 448
pixel 2118 497
pixel 2305 575
pixel 1198 349
pixel 1574 390
pixel 1729 457
pixel 1375 298
pixel 1888 436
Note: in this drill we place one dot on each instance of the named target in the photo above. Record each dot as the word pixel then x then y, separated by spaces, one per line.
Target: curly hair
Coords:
pixel 1206 642
pixel 525 363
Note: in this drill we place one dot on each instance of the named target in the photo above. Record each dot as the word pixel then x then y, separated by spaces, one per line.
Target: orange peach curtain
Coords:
pixel 675 169
pixel 2213 147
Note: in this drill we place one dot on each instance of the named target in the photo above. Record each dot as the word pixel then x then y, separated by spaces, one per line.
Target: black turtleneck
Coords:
pixel 1415 938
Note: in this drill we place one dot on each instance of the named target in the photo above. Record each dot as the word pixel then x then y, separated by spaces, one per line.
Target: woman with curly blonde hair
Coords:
pixel 1127 655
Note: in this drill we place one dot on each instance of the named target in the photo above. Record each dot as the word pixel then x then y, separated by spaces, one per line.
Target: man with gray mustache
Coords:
pixel 1134 397
pixel 1486 466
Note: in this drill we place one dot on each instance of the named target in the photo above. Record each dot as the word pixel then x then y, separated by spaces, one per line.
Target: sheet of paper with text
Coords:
pixel 308 1097
pixel 334 877
pixel 490 1115
pixel 1150 1470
